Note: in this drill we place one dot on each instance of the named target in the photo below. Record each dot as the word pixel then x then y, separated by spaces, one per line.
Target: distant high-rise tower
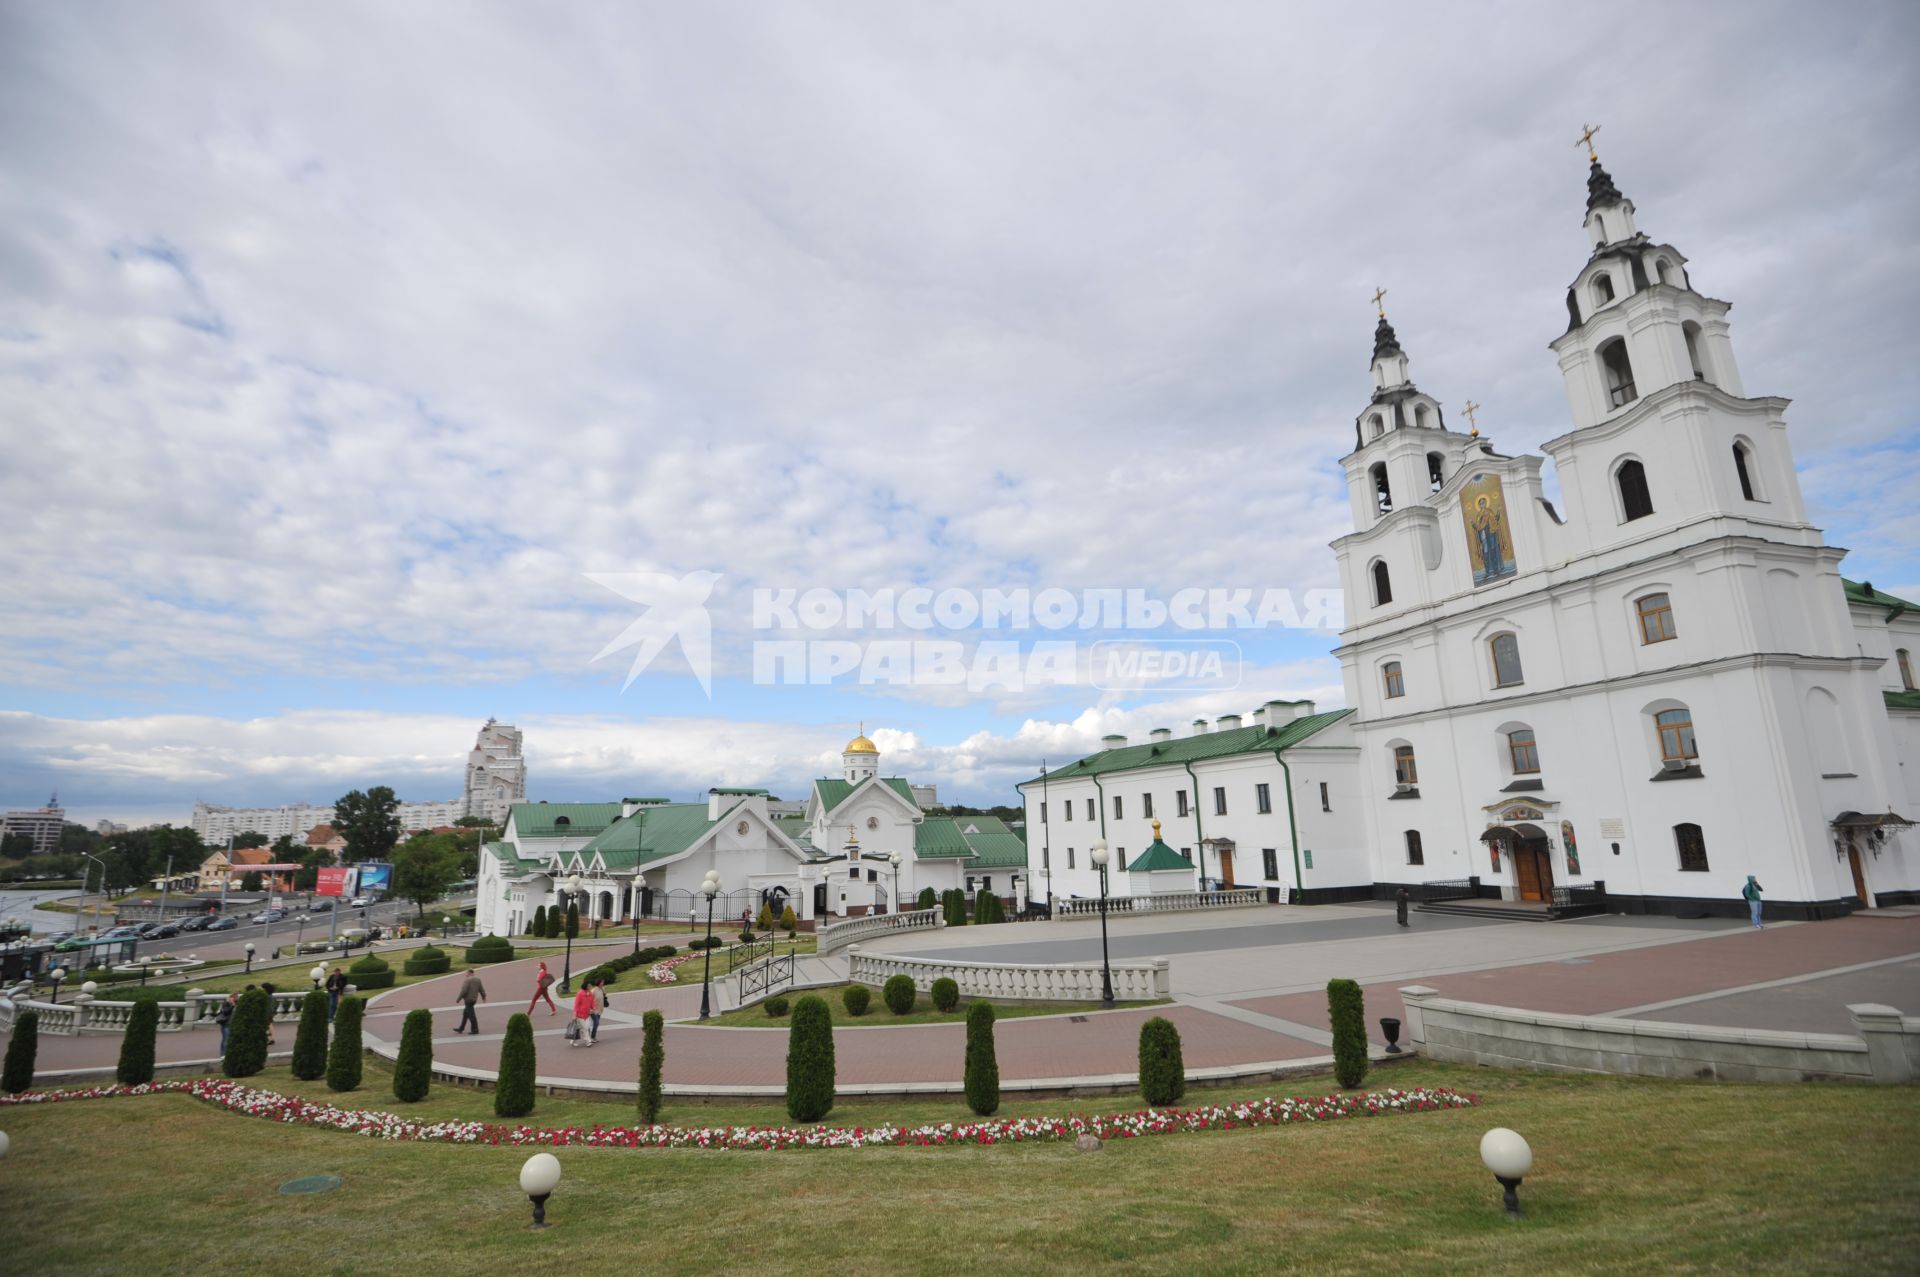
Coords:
pixel 496 773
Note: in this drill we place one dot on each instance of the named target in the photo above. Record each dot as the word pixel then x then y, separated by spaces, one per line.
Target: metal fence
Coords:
pixel 767 977
pixel 1449 889
pixel 1579 899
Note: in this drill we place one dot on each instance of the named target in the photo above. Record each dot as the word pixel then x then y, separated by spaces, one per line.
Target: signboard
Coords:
pixel 375 879
pixel 336 880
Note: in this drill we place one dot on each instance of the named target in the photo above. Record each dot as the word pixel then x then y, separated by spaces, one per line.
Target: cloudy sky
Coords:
pixel 340 344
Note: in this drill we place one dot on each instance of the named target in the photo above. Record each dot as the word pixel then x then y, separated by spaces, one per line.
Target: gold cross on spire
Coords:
pixel 1586 139
pixel 1472 408
pixel 1379 296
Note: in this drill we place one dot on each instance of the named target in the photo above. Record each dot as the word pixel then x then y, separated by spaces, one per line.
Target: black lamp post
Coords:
pixel 709 887
pixel 636 933
pixel 573 890
pixel 249 957
pixel 1099 855
pixel 56 976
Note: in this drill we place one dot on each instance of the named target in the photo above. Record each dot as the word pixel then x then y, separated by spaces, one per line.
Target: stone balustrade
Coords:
pixel 1170 902
pixel 1014 981
pixel 86 1014
pixel 838 935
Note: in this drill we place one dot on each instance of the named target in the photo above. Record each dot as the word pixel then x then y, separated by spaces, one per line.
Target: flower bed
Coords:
pixel 1271 1111
pixel 663 972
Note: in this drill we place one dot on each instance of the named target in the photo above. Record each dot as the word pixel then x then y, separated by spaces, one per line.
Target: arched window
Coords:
pixel 1613 357
pixel 1656 618
pixel 1691 331
pixel 561 822
pixel 1397 686
pixel 1600 224
pixel 1375 426
pixel 1382 587
pixel 1416 855
pixel 1602 290
pixel 1522 751
pixel 1404 772
pixel 1421 416
pixel 1436 471
pixel 1906 668
pixel 1382 489
pixel 1744 470
pixel 1676 736
pixel 1635 501
pixel 1659 270
pixel 1692 846
pixel 1506 660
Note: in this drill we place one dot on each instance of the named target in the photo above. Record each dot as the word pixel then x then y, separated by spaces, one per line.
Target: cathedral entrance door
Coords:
pixel 1859 876
pixel 1225 856
pixel 1533 866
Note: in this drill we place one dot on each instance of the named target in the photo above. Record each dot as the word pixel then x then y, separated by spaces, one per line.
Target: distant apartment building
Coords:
pixel 42 824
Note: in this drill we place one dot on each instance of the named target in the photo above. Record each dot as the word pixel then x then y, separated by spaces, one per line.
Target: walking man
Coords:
pixel 1400 906
pixel 224 1018
pixel 336 989
pixel 1752 893
pixel 471 991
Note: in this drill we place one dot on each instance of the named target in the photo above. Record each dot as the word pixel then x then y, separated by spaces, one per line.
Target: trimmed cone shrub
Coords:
pixel 983 1066
pixel 22 1049
pixel 899 994
pixel 413 1071
pixel 310 1039
pixel 1347 1012
pixel 927 899
pixel 953 903
pixel 428 961
pixel 653 1062
pixel 856 998
pixel 789 921
pixel 810 1060
pixel 1163 1074
pixel 513 1093
pixel 538 929
pixel 573 921
pixel 776 1007
pixel 765 920
pixel 371 972
pixel 946 994
pixel 344 1056
pixel 247 1035
pixel 136 1047
pixel 489 949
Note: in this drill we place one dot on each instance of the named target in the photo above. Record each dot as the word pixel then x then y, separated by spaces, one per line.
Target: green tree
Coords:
pixel 927 899
pixel 247 1035
pixel 810 1067
pixel 16 846
pixel 513 1090
pixel 1347 1015
pixel 473 822
pixel 285 850
pixel 765 921
pixel 425 869
pixel 413 1071
pixel 344 1061
pixel 310 1039
pixel 983 1065
pixel 1163 1073
pixel 370 823
pixel 136 1047
pixel 788 922
pixel 251 880
pixel 22 1049
pixel 653 1062
pixel 249 840
pixel 538 928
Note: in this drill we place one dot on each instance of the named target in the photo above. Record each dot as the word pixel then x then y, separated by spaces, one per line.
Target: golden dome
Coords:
pixel 861 745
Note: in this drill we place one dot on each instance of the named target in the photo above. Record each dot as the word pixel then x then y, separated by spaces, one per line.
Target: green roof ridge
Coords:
pixel 1186 749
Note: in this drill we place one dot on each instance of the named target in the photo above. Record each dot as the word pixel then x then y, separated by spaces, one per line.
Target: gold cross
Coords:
pixel 1378 295
pixel 1472 408
pixel 1586 139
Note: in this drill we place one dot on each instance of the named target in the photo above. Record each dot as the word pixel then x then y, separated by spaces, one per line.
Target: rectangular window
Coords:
pixel 1270 860
pixel 1046 857
pixel 1395 681
pixel 1116 807
pixel 1524 752
pixel 873 875
pixel 1180 801
pixel 1219 802
pixel 1506 660
pixel 1043 813
pixel 1693 848
pixel 854 873
pixel 1404 772
pixel 1263 799
pixel 1656 618
pixel 1069 806
pixel 1416 855
pixel 1676 735
pixel 1325 803
pixel 1146 806
pixel 1069 857
pixel 1090 815
pixel 986 884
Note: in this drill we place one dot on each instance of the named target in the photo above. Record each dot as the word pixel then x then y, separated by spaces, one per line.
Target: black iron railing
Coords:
pixel 1449 889
pixel 763 978
pixel 1580 898
pixel 741 955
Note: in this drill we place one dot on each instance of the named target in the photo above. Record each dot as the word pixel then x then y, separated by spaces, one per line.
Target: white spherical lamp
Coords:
pixel 1507 1154
pixel 1098 855
pixel 538 1178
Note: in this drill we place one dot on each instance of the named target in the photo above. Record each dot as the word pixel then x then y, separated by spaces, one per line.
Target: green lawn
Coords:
pixel 756 1017
pixel 1630 1176
pixel 688 972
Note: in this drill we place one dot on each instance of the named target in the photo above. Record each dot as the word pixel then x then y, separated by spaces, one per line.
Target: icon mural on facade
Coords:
pixel 1573 851
pixel 1483 508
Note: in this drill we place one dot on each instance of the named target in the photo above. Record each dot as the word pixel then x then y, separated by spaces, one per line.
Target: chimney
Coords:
pixel 1112 742
pixel 1229 721
pixel 1160 734
pixel 1199 727
pixel 1279 712
pixel 1260 717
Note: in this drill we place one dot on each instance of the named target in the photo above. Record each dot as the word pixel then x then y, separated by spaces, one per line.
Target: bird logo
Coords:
pixel 676 608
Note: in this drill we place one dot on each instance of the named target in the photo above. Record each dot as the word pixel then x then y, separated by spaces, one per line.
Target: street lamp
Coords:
pixel 249 957
pixel 894 860
pixel 573 889
pixel 317 973
pixel 538 1178
pixel 1098 854
pixel 57 975
pixel 1508 1156
pixel 709 887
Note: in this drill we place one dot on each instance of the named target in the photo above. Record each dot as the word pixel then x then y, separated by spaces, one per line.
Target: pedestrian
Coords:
pixel 336 989
pixel 1752 892
pixel 582 1015
pixel 1400 906
pixel 471 991
pixel 268 990
pixel 224 1018
pixel 541 982
pixel 599 1006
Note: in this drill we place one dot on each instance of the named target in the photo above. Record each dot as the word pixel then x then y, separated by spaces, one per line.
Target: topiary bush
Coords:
pixel 954 903
pixel 810 1070
pixel 513 1092
pixel 413 1071
pixel 538 927
pixel 428 961
pixel 983 1066
pixel 776 1007
pixel 1347 1013
pixel 371 972
pixel 653 1062
pixel 856 998
pixel 946 994
pixel 136 1046
pixel 765 920
pixel 1163 1073
pixel 899 994
pixel 344 1060
pixel 926 900
pixel 17 1074
pixel 247 1035
pixel 310 1039
pixel 789 921
pixel 489 949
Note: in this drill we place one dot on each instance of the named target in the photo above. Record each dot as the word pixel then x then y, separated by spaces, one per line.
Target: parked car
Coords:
pixel 145 930
pixel 269 915
pixel 322 905
pixel 199 922
pixel 121 933
pixel 165 931
pixel 71 943
pixel 226 922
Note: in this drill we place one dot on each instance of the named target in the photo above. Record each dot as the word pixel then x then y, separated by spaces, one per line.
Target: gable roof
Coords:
pixel 984 842
pixel 832 792
pixel 938 838
pixel 1192 749
pixel 1863 592
pixel 543 820
pixel 1159 856
pixel 650 834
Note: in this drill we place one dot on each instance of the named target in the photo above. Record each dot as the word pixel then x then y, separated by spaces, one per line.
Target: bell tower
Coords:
pixel 1402 449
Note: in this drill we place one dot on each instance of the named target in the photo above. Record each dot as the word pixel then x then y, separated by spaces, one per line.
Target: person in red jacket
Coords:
pixel 541 983
pixel 579 1035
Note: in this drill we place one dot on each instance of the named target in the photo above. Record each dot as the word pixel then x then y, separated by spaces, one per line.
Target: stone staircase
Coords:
pixel 809 971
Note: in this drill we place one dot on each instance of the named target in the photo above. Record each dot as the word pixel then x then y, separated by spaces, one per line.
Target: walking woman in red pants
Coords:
pixel 540 985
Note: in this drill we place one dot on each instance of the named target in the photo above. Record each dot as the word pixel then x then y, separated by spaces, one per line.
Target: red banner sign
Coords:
pixel 333 881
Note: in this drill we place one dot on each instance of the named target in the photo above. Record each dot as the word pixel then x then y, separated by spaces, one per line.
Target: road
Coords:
pixel 232 944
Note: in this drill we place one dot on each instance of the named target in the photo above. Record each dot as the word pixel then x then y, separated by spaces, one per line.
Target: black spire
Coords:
pixel 1384 342
pixel 1600 188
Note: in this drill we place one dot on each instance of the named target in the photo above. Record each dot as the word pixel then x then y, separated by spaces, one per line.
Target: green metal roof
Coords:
pixel 542 820
pixel 834 792
pixel 650 834
pixel 994 845
pixel 1903 700
pixel 938 838
pixel 738 793
pixel 1863 592
pixel 1192 749
pixel 1159 856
